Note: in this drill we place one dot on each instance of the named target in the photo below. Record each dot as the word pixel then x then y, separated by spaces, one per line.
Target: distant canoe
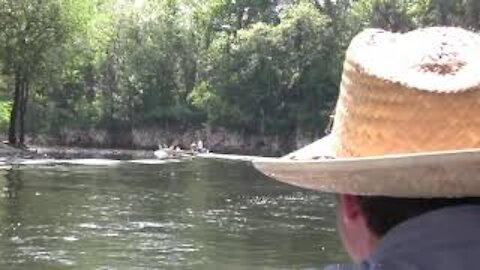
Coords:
pixel 167 153
pixel 161 154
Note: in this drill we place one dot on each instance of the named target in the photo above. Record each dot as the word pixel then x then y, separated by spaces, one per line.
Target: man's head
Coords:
pixel 405 125
pixel 364 220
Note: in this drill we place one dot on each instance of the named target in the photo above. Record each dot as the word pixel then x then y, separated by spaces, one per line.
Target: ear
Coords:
pixel 356 237
pixel 350 209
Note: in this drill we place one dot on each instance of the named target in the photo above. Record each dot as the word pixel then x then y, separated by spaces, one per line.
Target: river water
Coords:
pixel 196 214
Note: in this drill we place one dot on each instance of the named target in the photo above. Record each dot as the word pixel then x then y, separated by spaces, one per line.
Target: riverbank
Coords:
pixel 101 143
pixel 7 151
pixel 91 153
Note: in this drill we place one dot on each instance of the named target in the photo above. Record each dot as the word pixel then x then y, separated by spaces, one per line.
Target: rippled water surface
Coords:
pixel 184 215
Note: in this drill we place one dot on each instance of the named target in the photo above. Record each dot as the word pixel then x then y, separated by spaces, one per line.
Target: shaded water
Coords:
pixel 188 215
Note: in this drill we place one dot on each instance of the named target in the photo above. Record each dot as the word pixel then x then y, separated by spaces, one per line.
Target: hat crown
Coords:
pixel 408 93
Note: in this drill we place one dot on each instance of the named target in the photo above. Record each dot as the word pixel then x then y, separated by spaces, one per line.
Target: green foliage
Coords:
pixel 267 67
pixel 5 108
pixel 260 82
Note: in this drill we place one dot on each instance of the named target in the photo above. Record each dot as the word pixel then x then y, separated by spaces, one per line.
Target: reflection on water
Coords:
pixel 183 215
pixel 13 183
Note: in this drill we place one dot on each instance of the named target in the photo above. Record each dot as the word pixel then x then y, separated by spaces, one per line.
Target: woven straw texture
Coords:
pixel 407 121
pixel 379 115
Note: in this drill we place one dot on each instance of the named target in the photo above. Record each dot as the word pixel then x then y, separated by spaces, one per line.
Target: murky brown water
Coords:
pixel 186 215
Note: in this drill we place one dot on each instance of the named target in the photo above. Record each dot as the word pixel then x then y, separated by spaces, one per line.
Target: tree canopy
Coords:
pixel 253 66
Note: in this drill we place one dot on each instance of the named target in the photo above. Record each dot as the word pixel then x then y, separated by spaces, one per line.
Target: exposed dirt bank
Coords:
pixel 218 140
pixel 10 152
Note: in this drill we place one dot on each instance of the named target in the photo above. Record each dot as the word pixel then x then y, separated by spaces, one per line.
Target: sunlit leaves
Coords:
pixel 258 74
pixel 262 66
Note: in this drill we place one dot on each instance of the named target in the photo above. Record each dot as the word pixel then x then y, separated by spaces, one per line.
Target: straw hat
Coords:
pixel 407 120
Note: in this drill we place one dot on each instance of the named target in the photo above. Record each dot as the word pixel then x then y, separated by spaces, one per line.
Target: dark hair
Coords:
pixel 384 213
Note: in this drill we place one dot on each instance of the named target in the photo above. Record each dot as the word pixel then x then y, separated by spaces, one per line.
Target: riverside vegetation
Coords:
pixel 252 75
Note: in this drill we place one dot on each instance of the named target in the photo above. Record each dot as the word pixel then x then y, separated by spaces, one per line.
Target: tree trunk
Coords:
pixel 23 111
pixel 443 12
pixel 12 131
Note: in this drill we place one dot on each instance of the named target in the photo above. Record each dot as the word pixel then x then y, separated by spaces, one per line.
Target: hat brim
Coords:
pixel 446 174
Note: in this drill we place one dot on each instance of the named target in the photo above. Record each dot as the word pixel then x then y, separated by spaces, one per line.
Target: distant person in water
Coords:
pixel 193 147
pixel 405 144
pixel 198 147
pixel 201 148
